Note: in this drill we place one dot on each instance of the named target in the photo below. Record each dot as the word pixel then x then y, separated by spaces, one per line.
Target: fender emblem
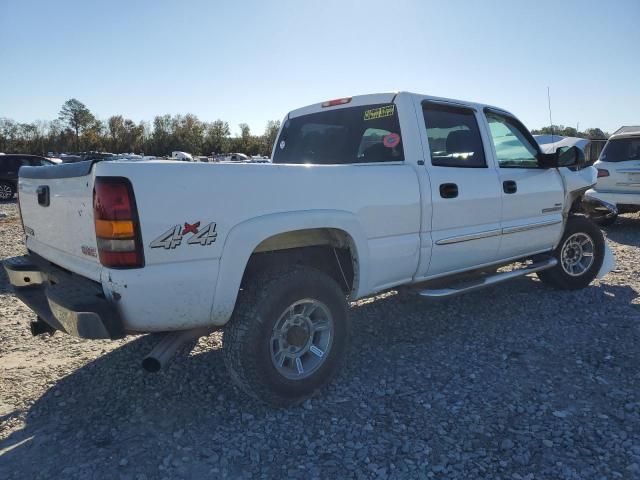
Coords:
pixel 174 236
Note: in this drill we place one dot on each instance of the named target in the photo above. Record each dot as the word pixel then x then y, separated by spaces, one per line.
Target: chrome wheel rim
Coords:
pixel 577 254
pixel 5 192
pixel 301 339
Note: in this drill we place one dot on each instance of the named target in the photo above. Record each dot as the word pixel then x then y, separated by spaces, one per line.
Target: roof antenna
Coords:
pixel 550 121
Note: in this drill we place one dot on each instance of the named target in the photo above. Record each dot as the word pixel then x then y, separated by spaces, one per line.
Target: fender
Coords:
pixel 244 237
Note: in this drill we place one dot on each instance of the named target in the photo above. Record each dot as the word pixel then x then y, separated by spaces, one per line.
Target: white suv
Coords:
pixel 619 172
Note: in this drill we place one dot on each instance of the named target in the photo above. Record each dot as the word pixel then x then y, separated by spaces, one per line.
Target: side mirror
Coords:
pixel 564 157
pixel 570 157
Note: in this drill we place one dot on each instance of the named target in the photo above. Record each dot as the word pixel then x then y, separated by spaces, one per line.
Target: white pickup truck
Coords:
pixel 364 194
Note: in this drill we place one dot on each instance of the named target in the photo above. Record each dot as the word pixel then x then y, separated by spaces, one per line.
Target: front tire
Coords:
pixel 287 336
pixel 6 191
pixel 580 254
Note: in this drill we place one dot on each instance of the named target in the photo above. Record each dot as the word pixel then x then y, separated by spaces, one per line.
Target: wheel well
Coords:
pixel 329 250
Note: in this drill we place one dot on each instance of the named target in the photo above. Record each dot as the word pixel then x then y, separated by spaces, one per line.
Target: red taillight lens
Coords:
pixel 116 223
pixel 337 101
pixel 112 200
pixel 603 173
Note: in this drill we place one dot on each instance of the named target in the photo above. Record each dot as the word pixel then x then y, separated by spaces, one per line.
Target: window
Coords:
pixel 32 162
pixel 10 164
pixel 365 134
pixel 513 147
pixel 621 150
pixel 454 137
pixel 370 138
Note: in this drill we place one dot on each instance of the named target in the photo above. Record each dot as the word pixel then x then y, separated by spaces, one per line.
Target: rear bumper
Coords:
pixel 67 302
pixel 615 198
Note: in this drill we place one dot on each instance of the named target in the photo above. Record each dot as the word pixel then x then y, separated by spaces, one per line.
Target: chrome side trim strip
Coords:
pixel 495 233
pixel 551 209
pixel 468 237
pixel 530 226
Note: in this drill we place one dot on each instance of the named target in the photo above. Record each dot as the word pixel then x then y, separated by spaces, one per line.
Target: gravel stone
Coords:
pixel 506 444
pixel 514 382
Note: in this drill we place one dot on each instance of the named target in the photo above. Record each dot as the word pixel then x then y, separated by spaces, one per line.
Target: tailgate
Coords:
pixel 56 203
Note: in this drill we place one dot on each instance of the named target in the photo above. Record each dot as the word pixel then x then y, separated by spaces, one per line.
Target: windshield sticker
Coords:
pixel 282 144
pixel 381 112
pixel 391 140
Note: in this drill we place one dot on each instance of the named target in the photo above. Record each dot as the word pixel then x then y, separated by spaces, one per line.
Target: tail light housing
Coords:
pixel 116 220
pixel 603 173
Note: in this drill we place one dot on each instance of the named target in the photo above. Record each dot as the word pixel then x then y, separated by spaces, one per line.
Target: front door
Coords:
pixel 532 197
pixel 465 192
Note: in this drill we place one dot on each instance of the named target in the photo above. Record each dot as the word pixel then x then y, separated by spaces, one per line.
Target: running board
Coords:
pixel 489 280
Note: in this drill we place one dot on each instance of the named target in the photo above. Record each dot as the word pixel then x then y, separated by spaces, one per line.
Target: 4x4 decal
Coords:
pixel 174 236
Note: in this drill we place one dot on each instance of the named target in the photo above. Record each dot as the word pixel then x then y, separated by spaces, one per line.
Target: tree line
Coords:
pixel 77 129
pixel 590 133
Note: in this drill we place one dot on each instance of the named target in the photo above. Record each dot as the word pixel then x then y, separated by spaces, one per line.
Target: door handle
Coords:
pixel 509 186
pixel 448 190
pixel 43 195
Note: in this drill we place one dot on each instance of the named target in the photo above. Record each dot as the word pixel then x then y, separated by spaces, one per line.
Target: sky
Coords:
pixel 253 61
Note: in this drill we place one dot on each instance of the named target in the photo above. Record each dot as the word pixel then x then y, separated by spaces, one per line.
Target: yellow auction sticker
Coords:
pixel 380 112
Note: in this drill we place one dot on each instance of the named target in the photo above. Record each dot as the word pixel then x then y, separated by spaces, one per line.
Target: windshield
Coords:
pixel 621 150
pixel 363 134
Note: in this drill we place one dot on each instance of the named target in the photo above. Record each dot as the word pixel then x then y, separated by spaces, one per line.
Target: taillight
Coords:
pixel 116 220
pixel 337 101
pixel 603 173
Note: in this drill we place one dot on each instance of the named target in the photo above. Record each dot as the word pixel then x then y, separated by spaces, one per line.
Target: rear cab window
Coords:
pixel 341 136
pixel 621 150
pixel 454 136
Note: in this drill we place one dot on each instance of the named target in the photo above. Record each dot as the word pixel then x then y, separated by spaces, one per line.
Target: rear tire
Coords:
pixel 580 254
pixel 7 190
pixel 288 335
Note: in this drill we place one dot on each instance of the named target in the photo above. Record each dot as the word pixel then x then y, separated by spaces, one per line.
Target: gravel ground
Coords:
pixel 514 382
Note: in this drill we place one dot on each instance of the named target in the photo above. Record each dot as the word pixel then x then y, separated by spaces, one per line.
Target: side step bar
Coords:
pixel 489 280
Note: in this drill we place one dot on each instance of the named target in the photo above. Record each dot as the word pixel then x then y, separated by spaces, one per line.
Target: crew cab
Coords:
pixel 364 194
pixel 619 172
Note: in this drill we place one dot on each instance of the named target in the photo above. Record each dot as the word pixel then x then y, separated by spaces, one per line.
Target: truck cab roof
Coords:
pixel 388 97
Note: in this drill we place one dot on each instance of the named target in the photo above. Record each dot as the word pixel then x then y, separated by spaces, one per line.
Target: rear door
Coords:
pixel 532 197
pixel 465 192
pixel 621 159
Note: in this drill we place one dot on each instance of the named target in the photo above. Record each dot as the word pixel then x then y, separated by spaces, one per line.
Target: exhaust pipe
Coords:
pixel 164 351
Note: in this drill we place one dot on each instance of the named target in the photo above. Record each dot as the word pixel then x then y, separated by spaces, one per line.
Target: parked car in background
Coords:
pixel 619 172
pixel 9 166
pixel 237 157
pixel 183 156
